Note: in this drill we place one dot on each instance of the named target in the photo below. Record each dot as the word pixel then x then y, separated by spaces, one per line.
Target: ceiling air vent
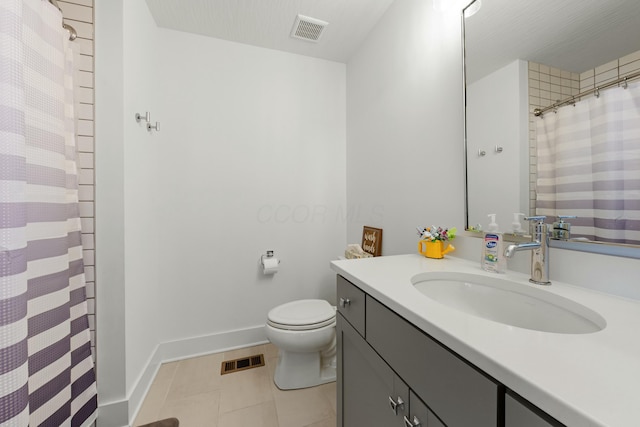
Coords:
pixel 309 29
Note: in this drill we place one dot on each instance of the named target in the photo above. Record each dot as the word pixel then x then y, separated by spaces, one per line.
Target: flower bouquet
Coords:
pixel 432 241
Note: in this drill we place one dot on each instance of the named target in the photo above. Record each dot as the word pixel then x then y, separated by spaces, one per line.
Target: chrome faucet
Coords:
pixel 538 247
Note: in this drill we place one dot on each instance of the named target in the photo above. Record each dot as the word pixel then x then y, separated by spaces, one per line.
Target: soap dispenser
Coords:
pixel 492 257
pixel 493 226
pixel 516 227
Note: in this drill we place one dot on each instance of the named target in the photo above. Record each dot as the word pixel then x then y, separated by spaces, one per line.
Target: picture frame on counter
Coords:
pixel 372 240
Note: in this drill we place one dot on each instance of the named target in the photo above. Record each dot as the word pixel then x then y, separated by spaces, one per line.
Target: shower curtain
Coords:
pixel 589 165
pixel 46 367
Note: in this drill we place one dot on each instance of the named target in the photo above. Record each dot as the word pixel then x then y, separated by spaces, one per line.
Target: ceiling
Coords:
pixel 573 35
pixel 268 23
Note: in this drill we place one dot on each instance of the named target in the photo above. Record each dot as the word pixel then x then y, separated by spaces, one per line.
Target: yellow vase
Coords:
pixel 433 249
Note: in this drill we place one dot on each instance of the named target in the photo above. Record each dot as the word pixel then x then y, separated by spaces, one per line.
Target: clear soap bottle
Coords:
pixel 492 257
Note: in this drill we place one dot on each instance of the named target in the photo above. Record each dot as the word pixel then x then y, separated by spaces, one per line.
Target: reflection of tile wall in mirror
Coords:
pixel 548 85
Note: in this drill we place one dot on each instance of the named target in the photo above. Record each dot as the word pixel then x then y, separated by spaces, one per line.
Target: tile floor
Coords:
pixel 193 391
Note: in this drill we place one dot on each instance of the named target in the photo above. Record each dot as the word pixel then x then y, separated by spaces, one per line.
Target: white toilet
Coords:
pixel 305 333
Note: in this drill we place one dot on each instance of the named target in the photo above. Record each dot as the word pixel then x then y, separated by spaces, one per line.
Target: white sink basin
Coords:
pixel 509 302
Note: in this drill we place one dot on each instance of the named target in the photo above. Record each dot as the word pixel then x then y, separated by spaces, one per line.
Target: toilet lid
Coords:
pixel 302 313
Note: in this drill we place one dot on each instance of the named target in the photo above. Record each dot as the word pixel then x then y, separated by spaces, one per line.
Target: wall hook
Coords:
pixel 481 152
pixel 499 149
pixel 146 117
pixel 155 127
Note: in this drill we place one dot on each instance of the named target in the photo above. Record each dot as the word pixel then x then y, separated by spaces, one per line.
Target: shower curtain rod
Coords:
pixel 72 31
pixel 572 100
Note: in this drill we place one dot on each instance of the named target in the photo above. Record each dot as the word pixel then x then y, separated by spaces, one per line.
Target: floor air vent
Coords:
pixel 244 363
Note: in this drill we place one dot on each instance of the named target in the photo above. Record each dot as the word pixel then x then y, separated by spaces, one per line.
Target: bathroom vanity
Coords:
pixel 407 360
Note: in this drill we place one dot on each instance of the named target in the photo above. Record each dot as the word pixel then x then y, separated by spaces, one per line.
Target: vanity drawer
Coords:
pixel 458 394
pixel 351 304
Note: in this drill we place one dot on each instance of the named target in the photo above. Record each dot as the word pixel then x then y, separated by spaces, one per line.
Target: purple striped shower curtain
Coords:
pixel 46 369
pixel 589 165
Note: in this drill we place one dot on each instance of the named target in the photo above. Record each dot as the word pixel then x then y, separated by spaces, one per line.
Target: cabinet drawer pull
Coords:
pixel 396 404
pixel 345 302
pixel 414 423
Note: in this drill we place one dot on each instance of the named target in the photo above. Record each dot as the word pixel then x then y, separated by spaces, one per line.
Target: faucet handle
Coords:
pixel 536 220
pixel 538 227
pixel 561 229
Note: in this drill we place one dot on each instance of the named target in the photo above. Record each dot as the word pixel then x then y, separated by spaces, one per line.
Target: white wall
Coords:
pixel 404 128
pixel 126 237
pixel 253 159
pixel 142 167
pixel 251 156
pixel 110 251
pixel 497 115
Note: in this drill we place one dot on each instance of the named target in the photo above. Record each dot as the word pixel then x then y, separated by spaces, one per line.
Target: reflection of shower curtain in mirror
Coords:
pixel 589 165
pixel 46 368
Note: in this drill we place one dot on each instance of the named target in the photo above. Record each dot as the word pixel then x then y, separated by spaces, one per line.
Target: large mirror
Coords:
pixel 521 55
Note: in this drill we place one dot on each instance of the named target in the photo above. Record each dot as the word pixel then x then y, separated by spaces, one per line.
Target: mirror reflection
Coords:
pixel 579 159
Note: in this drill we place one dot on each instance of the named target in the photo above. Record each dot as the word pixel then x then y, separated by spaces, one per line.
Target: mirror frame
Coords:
pixel 602 248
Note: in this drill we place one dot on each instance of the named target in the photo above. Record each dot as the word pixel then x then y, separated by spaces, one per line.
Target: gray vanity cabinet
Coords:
pixel 351 304
pixel 391 373
pixel 456 391
pixel 372 394
pixel 520 413
pixel 420 413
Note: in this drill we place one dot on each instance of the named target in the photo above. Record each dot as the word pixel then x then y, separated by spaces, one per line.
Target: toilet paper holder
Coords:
pixel 267 256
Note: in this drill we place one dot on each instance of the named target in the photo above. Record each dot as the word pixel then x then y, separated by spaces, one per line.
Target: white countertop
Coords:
pixel 580 379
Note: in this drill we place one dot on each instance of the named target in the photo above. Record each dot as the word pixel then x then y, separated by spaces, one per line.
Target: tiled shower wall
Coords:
pixel 79 14
pixel 610 71
pixel 548 85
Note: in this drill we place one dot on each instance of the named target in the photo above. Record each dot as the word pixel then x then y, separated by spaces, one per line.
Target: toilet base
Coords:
pixel 301 370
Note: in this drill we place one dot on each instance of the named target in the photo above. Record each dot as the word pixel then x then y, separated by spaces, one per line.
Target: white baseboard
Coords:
pixel 215 343
pixel 169 352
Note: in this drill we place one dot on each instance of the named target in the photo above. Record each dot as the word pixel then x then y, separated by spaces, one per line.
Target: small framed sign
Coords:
pixel 372 240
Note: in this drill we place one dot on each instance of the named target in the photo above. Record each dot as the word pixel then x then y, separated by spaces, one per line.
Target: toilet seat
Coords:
pixel 302 315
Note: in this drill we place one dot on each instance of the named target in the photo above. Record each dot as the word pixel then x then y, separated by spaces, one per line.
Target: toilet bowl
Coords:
pixel 305 333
